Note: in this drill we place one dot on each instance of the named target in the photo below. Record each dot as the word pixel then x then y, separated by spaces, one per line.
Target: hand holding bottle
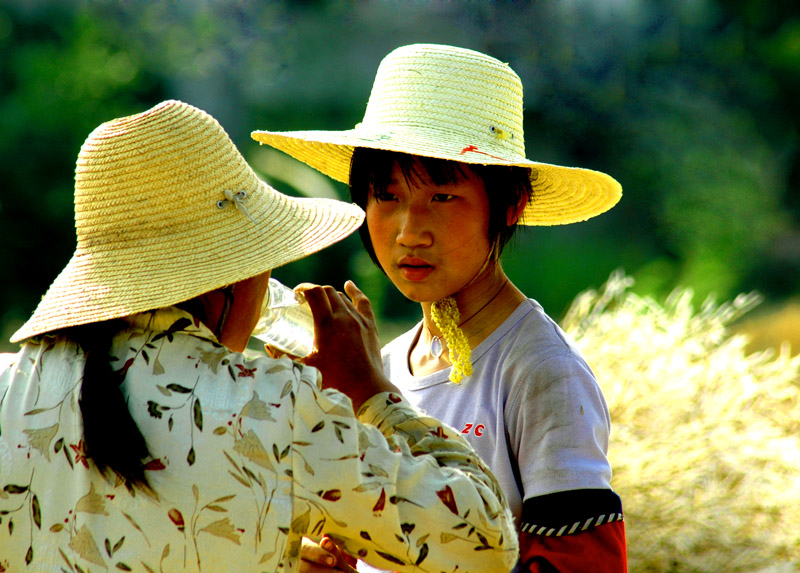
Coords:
pixel 348 351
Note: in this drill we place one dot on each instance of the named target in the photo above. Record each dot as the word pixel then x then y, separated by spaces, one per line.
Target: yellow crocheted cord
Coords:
pixel 446 316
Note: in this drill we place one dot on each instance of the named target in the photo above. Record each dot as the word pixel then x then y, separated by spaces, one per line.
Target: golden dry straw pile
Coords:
pixel 705 441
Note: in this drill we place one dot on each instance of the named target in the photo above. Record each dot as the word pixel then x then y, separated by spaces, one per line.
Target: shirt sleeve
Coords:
pixel 558 426
pixel 398 489
pixel 573 531
pixel 7 360
pixel 602 549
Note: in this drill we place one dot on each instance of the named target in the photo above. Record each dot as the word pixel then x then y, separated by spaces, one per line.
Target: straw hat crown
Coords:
pixel 456 104
pixel 166 208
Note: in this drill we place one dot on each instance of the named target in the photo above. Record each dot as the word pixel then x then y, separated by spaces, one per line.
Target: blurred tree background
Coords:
pixel 691 105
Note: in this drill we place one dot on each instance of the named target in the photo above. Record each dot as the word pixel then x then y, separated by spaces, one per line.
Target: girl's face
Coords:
pixel 430 240
pixel 248 297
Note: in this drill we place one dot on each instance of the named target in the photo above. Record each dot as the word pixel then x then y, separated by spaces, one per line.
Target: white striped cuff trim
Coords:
pixel 592 521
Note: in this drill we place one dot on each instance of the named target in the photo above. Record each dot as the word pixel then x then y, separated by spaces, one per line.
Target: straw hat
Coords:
pixel 452 103
pixel 166 209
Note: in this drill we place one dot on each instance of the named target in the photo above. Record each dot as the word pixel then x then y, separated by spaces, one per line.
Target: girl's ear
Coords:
pixel 515 211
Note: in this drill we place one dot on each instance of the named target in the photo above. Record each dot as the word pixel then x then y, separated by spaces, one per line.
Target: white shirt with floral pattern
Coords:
pixel 248 456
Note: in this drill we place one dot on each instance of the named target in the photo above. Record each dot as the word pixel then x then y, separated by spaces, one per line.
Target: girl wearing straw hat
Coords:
pixel 438 163
pixel 137 436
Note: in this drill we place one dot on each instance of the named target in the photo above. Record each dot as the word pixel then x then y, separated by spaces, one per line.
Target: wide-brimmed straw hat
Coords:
pixel 457 104
pixel 166 209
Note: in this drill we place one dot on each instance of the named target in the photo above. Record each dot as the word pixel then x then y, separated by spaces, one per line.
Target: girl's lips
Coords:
pixel 414 269
pixel 415 273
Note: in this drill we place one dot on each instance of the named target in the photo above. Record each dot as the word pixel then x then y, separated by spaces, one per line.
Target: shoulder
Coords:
pixel 535 358
pixel 402 342
pixel 7 360
pixel 532 327
pixel 395 352
pixel 530 343
pixel 8 363
pixel 169 352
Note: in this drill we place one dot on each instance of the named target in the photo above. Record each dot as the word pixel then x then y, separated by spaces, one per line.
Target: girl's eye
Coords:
pixel 380 196
pixel 443 197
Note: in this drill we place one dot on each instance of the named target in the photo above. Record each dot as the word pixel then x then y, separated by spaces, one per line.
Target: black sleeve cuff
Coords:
pixel 570 512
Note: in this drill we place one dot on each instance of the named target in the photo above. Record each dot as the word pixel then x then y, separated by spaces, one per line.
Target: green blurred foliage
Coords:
pixel 691 105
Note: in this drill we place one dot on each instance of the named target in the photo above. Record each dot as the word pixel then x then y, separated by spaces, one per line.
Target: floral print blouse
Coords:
pixel 249 455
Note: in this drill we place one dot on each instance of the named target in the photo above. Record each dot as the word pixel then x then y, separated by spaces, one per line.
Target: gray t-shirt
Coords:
pixel 532 408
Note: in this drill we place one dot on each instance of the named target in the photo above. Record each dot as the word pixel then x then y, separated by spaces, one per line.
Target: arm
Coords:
pixel 400 490
pixel 573 531
pixel 559 426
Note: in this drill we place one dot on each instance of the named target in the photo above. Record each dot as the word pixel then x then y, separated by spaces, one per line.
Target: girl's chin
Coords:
pixel 420 295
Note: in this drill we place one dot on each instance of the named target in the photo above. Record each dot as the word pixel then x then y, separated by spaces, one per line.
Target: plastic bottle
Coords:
pixel 286 321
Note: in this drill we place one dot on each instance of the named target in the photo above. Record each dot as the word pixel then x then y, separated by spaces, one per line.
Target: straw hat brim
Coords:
pixel 108 281
pixel 166 209
pixel 561 195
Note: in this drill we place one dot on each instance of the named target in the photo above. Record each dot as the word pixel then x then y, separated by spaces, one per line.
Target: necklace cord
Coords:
pixel 445 313
pixel 435 348
pixel 487 303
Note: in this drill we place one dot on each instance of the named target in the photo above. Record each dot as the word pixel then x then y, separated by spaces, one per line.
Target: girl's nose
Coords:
pixel 414 228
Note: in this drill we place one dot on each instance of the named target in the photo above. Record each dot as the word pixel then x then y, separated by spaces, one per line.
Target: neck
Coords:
pixel 479 304
pixel 483 306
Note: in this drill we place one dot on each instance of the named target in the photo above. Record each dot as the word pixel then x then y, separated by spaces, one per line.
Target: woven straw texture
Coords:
pixel 457 104
pixel 155 227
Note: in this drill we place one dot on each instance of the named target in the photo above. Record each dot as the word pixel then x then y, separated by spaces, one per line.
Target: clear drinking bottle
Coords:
pixel 286 321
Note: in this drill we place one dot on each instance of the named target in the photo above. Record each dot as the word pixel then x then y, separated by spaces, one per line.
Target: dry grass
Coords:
pixel 706 438
pixel 772 329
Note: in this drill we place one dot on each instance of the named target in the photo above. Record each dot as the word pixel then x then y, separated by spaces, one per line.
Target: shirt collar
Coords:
pixel 162 319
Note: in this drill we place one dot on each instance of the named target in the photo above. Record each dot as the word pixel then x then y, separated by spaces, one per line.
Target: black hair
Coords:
pixel 371 169
pixel 111 437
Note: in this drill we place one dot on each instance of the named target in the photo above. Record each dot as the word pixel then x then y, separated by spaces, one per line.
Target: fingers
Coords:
pixel 275 352
pixel 347 346
pixel 323 557
pixel 360 300
pixel 319 299
pixel 301 288
pixel 326 306
pixel 351 289
pixel 311 567
pixel 343 560
pixel 314 554
pixel 327 303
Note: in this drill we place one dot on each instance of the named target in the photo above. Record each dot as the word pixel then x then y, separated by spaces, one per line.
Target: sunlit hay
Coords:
pixel 780 325
pixel 705 439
